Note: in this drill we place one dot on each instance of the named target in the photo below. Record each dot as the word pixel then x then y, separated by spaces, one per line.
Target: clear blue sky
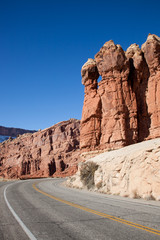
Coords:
pixel 43 45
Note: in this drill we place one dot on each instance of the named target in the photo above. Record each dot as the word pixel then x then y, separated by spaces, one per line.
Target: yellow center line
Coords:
pixel 120 220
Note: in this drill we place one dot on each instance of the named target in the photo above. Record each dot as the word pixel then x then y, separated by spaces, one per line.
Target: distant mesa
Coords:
pixel 13 132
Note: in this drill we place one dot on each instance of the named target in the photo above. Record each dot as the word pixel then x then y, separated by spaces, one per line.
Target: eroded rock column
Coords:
pixel 90 130
pixel 119 107
pixel 139 74
pixel 151 49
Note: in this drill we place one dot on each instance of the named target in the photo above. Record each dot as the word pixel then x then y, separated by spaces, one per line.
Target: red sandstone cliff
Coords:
pixel 52 151
pixel 124 107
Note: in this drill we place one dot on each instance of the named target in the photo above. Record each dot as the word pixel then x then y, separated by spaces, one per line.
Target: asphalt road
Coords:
pixel 45 209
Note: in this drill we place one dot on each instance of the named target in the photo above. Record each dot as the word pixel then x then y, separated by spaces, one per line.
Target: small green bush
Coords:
pixel 87 174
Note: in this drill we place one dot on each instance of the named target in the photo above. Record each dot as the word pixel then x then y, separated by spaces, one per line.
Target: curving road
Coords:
pixel 45 209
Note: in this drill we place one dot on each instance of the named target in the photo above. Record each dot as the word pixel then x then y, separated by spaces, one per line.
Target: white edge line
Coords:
pixel 23 226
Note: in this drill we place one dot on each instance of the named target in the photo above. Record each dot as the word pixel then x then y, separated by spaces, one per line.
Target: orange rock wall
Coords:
pixel 50 152
pixel 124 107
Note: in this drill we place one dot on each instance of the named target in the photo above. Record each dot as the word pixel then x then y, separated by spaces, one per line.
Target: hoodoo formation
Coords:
pixel 124 107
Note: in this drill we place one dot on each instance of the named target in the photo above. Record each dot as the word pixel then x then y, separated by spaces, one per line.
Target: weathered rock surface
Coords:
pixel 151 49
pixel 91 116
pixel 132 171
pixel 13 132
pixel 51 152
pixel 124 107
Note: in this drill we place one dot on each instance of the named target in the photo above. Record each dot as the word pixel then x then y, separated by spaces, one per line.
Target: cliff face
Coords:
pixel 13 132
pixel 53 151
pixel 124 107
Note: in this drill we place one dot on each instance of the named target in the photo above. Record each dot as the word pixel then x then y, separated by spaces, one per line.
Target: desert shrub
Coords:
pixel 99 185
pixel 87 174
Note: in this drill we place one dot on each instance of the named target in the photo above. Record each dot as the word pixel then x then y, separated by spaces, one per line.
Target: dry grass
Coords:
pixel 87 174
pixel 99 185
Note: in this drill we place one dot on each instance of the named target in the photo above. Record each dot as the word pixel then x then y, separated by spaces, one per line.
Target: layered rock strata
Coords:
pixel 51 152
pixel 124 107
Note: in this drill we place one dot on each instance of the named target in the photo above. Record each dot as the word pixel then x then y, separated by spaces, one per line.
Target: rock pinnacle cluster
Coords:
pixel 124 107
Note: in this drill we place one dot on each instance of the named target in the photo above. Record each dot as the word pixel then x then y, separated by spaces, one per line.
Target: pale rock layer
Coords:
pixel 132 171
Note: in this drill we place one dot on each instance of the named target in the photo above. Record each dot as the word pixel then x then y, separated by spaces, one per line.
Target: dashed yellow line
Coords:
pixel 120 220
